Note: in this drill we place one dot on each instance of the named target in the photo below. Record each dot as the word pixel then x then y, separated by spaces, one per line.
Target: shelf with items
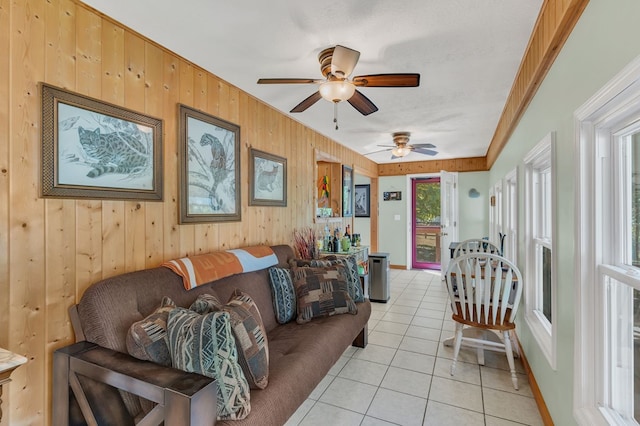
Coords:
pixel 329 184
pixel 361 253
pixel 328 220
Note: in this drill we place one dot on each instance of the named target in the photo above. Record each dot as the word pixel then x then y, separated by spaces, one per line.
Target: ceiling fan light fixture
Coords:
pixel 400 151
pixel 337 90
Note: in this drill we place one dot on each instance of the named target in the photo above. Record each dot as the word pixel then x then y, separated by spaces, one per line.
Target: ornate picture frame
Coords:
pixel 96 150
pixel 267 179
pixel 209 168
pixel 347 191
pixel 362 201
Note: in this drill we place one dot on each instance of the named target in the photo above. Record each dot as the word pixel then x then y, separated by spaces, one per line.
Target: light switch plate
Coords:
pixel 396 217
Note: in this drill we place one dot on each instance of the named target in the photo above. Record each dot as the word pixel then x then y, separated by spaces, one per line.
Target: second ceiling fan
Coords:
pixel 402 147
pixel 337 64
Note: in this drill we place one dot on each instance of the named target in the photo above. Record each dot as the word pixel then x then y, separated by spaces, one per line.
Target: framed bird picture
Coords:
pixel 209 157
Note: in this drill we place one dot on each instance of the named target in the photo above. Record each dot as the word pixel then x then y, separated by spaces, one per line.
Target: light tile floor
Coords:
pixel 402 376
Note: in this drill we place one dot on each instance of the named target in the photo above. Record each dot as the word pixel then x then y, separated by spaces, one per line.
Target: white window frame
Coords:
pixel 541 157
pixel 600 252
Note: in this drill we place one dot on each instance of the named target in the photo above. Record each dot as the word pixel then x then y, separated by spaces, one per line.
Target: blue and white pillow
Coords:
pixel 283 294
pixel 355 287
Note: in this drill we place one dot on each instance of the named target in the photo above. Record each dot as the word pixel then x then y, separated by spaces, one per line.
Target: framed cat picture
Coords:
pixel 96 150
pixel 267 179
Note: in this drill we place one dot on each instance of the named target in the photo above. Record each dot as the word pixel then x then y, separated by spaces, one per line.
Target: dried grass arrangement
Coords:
pixel 304 243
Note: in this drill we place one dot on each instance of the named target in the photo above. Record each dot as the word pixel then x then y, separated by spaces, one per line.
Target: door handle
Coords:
pixel 443 234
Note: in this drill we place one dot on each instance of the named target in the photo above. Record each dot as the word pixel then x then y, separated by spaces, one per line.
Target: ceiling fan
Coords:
pixel 336 65
pixel 403 148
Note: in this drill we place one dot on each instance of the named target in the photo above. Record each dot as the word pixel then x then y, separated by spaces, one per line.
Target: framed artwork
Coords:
pixel 363 203
pixel 347 191
pixel 96 150
pixel 209 158
pixel 267 179
pixel 392 196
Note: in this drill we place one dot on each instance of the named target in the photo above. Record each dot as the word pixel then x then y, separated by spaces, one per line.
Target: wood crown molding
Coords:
pixel 555 22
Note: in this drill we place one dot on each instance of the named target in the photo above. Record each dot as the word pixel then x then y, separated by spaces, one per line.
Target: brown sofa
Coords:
pixel 91 376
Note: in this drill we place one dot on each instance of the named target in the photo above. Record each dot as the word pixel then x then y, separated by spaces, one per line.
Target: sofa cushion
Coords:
pixel 147 338
pixel 204 344
pixel 283 294
pixel 322 292
pixel 251 338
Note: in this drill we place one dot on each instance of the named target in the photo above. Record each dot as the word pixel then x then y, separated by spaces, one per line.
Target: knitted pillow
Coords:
pixel 204 344
pixel 283 294
pixel 322 292
pixel 147 338
pixel 251 338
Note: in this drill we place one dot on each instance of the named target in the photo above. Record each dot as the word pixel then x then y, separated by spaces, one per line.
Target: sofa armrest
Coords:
pixel 182 398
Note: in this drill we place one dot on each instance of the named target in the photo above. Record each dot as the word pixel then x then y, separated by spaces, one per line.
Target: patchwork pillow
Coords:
pixel 206 303
pixel 350 262
pixel 147 338
pixel 251 338
pixel 322 292
pixel 204 344
pixel 283 294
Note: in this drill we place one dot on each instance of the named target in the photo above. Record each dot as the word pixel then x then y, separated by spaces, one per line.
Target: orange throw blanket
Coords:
pixel 204 268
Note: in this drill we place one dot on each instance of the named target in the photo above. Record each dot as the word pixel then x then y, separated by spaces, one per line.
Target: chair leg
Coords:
pixel 480 349
pixel 456 346
pixel 509 351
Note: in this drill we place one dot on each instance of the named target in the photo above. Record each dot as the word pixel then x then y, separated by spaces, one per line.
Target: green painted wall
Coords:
pixel 606 38
pixel 393 219
pixel 473 213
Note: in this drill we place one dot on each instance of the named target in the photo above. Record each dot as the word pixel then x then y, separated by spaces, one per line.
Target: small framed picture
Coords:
pixel 95 150
pixel 267 179
pixel 347 191
pixel 209 157
pixel 392 196
pixel 363 203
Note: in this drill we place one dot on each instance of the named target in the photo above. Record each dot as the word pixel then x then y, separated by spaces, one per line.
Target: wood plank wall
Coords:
pixel 52 249
pixel 473 164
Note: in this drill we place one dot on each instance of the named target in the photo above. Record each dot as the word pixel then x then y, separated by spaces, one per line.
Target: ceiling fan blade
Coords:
pixel 362 103
pixel 302 106
pixel 380 150
pixel 343 61
pixel 288 81
pixel 387 80
pixel 425 151
pixel 423 145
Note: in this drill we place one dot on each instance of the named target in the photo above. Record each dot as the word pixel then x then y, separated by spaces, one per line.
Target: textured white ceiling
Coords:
pixel 467 52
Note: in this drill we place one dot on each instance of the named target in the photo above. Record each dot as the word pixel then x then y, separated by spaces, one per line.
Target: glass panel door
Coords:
pixel 426 223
